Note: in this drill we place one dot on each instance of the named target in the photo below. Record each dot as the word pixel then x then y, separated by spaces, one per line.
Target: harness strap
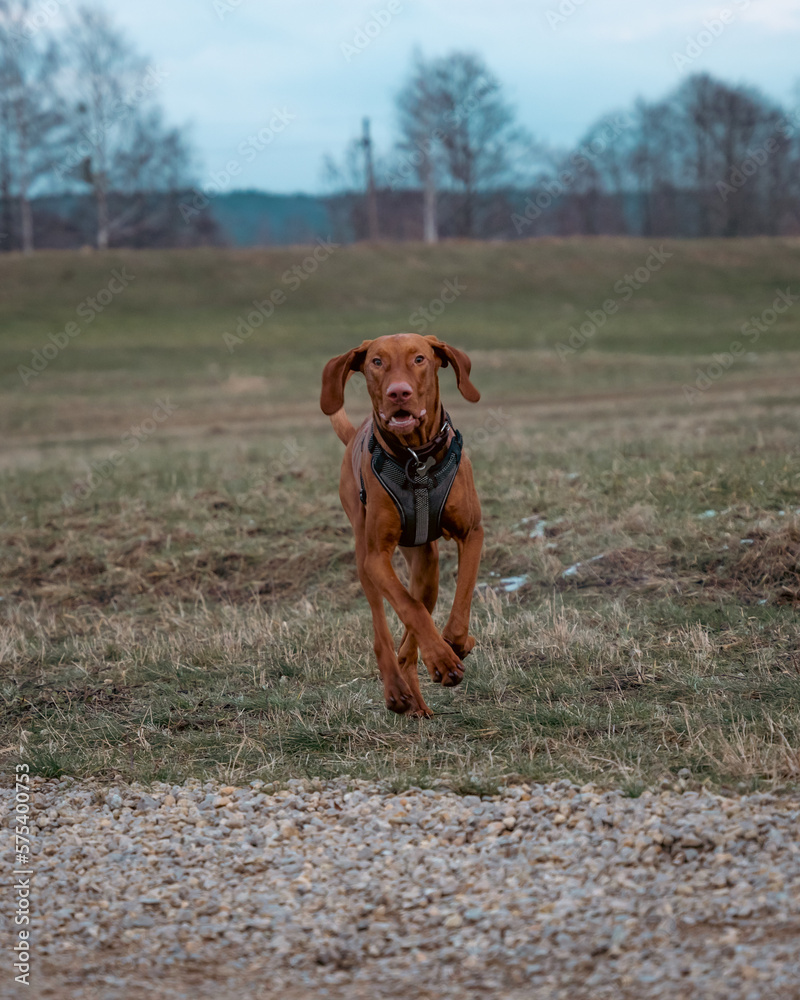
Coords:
pixel 419 490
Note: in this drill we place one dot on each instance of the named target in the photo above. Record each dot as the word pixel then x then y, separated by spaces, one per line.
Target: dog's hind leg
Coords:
pixel 456 631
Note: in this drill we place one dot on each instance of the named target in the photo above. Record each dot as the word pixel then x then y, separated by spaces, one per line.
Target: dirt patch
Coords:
pixel 629 568
pixel 768 569
pixel 128 571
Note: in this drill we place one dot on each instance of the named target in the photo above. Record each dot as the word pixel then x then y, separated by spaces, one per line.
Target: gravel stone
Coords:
pixel 341 889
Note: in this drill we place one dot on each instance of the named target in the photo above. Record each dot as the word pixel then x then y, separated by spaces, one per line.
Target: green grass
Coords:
pixel 197 611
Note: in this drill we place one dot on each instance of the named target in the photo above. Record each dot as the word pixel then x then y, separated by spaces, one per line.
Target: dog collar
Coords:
pixel 416 460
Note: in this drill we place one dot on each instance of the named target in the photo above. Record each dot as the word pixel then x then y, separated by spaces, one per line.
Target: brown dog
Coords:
pixel 404 480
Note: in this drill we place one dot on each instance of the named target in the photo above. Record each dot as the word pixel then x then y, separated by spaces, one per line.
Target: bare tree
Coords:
pixel 120 144
pixel 31 114
pixel 457 134
pixel 658 155
pixel 730 130
pixel 708 160
pixel 479 139
pixel 418 118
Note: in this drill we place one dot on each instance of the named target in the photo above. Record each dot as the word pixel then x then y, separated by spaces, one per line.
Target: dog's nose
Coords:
pixel 399 392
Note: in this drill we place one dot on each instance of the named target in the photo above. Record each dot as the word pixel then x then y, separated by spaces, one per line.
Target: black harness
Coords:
pixel 419 488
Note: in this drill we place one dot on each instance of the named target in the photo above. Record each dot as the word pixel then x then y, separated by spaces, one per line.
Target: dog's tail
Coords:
pixel 341 424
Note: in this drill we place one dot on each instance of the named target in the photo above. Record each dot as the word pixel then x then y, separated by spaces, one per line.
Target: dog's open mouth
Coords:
pixel 402 421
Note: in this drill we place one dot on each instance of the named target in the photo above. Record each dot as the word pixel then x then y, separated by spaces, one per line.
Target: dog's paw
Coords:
pixel 407 704
pixel 461 649
pixel 400 703
pixel 445 666
pixel 401 700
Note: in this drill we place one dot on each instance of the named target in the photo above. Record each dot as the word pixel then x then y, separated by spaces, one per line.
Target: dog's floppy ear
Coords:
pixel 335 376
pixel 461 366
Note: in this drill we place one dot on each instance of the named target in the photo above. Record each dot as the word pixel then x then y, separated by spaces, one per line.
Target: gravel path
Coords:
pixel 337 889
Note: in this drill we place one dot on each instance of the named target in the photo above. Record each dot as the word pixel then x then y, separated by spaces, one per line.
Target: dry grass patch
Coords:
pixel 769 566
pixel 198 613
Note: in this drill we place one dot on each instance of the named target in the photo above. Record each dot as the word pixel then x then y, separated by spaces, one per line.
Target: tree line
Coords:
pixel 87 156
pixel 709 159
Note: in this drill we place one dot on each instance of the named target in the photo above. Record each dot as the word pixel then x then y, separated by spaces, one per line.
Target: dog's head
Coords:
pixel 402 378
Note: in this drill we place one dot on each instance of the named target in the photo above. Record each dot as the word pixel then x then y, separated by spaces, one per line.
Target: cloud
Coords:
pixel 227 75
pixel 777 15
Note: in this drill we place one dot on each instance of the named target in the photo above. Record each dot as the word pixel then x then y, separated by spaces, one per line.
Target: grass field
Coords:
pixel 179 594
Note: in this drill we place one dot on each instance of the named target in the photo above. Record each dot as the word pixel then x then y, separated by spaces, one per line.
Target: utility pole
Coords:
pixel 372 194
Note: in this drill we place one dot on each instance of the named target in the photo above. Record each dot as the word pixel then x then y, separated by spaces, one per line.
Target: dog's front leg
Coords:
pixel 399 695
pixel 443 663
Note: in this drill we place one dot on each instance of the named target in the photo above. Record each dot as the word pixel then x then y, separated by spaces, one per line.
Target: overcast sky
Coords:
pixel 233 63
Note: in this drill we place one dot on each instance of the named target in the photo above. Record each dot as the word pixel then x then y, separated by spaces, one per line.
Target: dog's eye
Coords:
pixel 377 362
pixel 419 359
